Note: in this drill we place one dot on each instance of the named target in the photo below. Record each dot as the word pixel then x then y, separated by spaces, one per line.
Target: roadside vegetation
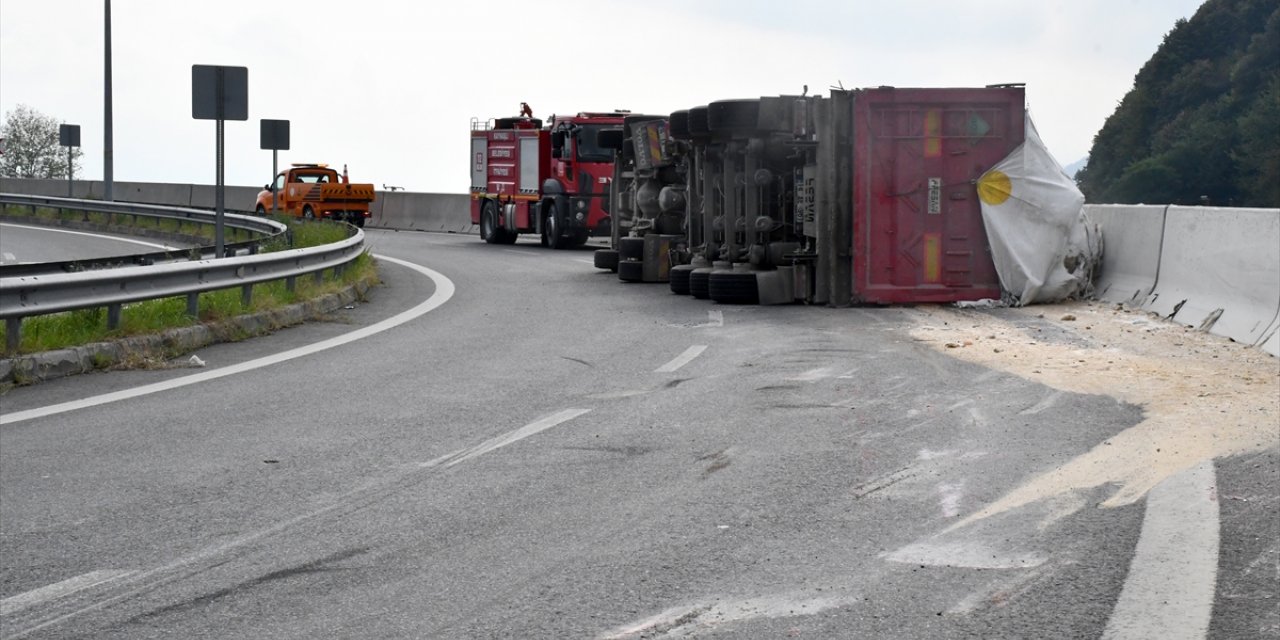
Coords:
pixel 76 328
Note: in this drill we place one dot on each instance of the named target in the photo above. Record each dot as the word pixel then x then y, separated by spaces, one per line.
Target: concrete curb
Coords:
pixel 49 365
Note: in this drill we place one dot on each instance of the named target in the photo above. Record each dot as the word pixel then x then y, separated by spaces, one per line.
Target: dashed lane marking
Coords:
pixel 682 359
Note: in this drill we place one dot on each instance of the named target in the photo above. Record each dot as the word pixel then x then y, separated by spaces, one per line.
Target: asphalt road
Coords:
pixel 22 243
pixel 551 453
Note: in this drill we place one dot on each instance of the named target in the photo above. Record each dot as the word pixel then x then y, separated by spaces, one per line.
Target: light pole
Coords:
pixel 107 177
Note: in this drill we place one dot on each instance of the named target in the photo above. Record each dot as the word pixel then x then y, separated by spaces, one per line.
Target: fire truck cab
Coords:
pixel 552 180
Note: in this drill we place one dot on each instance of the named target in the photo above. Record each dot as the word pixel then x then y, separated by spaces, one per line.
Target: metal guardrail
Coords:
pixel 41 294
pixel 263 228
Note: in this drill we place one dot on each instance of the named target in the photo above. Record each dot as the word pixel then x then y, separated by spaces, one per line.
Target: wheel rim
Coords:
pixel 308 213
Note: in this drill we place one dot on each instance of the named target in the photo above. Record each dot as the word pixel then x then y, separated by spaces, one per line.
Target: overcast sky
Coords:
pixel 389 88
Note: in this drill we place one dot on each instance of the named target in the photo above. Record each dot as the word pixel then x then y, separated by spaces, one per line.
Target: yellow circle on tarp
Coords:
pixel 994 187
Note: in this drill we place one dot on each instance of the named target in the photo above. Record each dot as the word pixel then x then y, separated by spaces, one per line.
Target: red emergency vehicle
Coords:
pixel 550 180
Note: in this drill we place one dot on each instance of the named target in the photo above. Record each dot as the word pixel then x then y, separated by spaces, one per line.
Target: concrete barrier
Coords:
pixel 447 212
pixel 1220 271
pixel 1131 237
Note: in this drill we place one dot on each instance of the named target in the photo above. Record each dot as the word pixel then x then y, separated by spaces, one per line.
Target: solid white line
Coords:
pixel 682 359
pixel 1168 594
pixel 67 587
pixel 93 235
pixel 444 291
pixel 516 436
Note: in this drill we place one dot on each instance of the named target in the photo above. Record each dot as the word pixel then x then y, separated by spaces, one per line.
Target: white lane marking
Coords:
pixel 715 318
pixel 813 375
pixel 537 426
pixel 444 291
pixel 682 359
pixel 67 587
pixel 949 497
pixel 1169 591
pixel 518 252
pixel 94 235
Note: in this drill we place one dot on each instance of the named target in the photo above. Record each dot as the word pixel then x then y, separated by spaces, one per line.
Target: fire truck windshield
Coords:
pixel 588 149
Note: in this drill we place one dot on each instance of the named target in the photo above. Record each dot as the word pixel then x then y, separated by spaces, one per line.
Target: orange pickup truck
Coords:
pixel 316 191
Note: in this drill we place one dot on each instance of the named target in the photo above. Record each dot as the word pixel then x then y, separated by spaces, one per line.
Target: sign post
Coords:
pixel 274 135
pixel 69 137
pixel 220 94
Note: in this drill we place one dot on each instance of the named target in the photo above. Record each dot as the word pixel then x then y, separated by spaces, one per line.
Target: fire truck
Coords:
pixel 552 180
pixel 864 196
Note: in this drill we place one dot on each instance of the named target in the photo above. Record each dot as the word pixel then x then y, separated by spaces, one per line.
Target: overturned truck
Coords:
pixel 863 196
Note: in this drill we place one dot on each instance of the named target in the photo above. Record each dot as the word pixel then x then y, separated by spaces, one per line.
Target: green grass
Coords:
pixel 62 330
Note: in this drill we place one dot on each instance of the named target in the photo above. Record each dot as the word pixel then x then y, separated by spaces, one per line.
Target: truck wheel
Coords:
pixel 678 125
pixel 358 220
pixel 489 231
pixel 261 211
pixel 734 288
pixel 555 234
pixel 679 277
pixel 308 213
pixel 631 248
pixel 631 271
pixel 697 122
pixel 699 283
pixel 606 259
pixel 733 115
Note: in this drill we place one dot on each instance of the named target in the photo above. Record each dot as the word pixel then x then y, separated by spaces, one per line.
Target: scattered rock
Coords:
pixel 1068 318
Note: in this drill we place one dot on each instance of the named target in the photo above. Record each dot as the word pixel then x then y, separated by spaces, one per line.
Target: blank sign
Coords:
pixel 69 135
pixel 219 93
pixel 275 134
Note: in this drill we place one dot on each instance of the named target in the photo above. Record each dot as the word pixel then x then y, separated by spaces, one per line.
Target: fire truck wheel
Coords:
pixel 733 115
pixel 489 231
pixel 631 248
pixel 555 232
pixel 734 288
pixel 606 259
pixel 308 213
pixel 631 271
pixel 679 277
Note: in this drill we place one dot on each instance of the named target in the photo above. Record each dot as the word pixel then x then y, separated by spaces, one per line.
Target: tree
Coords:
pixel 31 148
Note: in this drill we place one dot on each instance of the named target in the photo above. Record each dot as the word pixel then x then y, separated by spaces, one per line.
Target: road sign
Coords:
pixel 275 134
pixel 219 93
pixel 69 135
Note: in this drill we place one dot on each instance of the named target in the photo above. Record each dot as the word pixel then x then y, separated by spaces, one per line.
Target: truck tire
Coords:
pixel 631 248
pixel 698 121
pixel 554 227
pixel 698 283
pixel 607 259
pixel 308 213
pixel 733 287
pixel 678 125
pixel 488 222
pixel 679 277
pixel 631 271
pixel 489 229
pixel 261 211
pixel 733 115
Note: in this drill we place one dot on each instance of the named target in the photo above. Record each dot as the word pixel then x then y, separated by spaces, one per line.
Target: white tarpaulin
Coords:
pixel 1043 246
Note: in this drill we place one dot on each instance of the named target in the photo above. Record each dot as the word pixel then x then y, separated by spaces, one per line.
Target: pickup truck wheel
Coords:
pixel 261 211
pixel 308 213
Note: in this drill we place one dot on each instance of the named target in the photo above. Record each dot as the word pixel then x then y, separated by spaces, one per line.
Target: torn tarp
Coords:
pixel 1044 247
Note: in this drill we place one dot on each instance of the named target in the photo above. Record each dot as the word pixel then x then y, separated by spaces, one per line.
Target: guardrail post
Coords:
pixel 13 335
pixel 246 295
pixel 193 305
pixel 113 317
pixel 290 284
pixel 320 277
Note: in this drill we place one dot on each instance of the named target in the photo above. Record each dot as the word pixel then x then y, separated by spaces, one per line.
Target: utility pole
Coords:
pixel 107 159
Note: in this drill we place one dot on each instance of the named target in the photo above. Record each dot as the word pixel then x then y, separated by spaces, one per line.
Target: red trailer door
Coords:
pixel 917 223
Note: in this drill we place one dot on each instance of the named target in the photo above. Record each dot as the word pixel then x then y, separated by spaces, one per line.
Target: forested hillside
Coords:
pixel 1203 117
